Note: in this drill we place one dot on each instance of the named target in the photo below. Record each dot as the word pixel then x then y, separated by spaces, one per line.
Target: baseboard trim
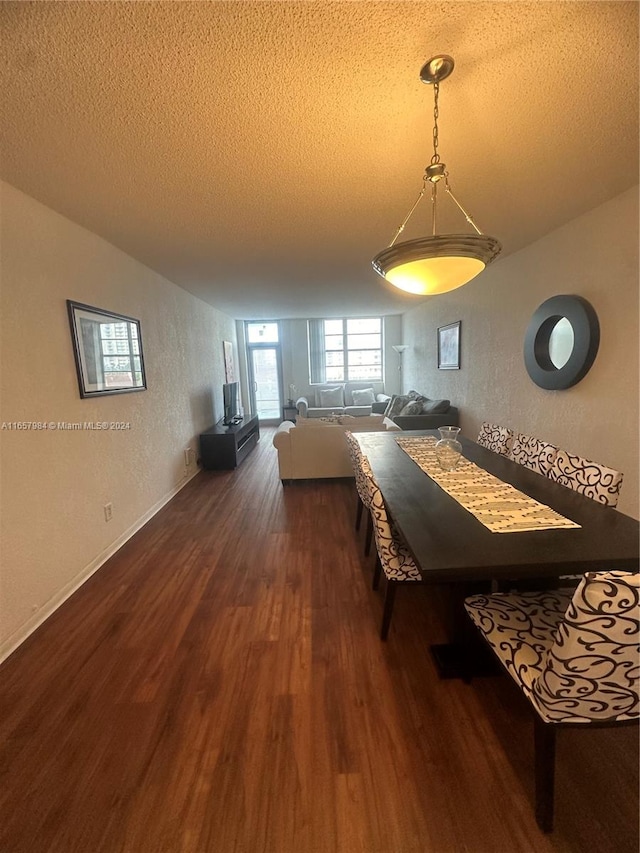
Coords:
pixel 8 646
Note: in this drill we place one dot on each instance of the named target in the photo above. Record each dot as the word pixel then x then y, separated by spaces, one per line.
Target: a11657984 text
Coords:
pixel 64 426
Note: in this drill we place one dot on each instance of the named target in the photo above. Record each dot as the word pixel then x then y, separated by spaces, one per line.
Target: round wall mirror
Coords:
pixel 561 342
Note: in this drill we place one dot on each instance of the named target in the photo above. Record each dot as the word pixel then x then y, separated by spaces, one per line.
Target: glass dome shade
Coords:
pixel 438 264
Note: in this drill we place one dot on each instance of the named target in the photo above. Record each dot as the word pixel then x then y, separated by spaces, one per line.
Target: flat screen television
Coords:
pixel 230 397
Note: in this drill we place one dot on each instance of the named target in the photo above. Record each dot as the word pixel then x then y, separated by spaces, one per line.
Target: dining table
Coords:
pixel 451 546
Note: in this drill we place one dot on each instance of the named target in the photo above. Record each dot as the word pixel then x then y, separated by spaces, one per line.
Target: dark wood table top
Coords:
pixel 450 544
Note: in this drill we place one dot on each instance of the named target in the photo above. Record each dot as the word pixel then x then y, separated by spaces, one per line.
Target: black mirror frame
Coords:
pixel 74 310
pixel 586 335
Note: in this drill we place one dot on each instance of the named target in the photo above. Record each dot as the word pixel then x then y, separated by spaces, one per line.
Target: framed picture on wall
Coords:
pixel 108 351
pixel 449 347
pixel 229 367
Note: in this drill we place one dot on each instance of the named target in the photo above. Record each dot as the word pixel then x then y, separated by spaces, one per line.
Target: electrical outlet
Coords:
pixel 187 457
pixel 108 512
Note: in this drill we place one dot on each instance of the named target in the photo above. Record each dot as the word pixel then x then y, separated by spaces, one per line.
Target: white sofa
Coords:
pixel 341 398
pixel 314 449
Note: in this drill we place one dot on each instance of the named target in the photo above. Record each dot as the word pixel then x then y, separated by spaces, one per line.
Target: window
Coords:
pixel 345 350
pixel 262 333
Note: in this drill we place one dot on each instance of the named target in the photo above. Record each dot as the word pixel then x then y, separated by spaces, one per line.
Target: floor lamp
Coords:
pixel 399 348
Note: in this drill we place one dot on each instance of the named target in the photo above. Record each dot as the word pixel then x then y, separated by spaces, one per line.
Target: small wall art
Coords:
pixel 229 367
pixel 449 346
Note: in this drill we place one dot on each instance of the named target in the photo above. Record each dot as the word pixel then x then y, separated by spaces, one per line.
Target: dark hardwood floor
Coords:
pixel 219 686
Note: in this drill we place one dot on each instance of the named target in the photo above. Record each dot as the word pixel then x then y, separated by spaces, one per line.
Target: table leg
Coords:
pixel 466 656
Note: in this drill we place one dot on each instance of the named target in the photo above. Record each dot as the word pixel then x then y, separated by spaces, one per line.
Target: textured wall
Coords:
pixel 594 256
pixel 55 484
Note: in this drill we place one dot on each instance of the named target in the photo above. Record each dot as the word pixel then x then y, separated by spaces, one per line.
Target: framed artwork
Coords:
pixel 108 351
pixel 449 347
pixel 229 367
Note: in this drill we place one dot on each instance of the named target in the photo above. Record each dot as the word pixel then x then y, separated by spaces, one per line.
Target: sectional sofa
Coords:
pixel 415 411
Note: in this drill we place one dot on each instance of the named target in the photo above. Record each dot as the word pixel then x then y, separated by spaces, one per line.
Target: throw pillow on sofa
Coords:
pixel 364 397
pixel 412 408
pixel 412 404
pixel 331 397
pixel 436 407
pixel 396 404
pixel 417 398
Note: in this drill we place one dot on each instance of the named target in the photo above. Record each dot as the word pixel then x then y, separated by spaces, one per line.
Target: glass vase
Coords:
pixel 448 449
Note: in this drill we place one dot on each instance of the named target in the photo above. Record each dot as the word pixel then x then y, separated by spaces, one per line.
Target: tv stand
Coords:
pixel 223 447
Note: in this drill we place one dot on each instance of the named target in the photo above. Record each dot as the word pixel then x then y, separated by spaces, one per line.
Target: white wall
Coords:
pixel 54 484
pixel 594 256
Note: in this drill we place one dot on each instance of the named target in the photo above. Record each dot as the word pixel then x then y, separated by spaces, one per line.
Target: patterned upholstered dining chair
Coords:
pixel 537 455
pixel 574 655
pixel 596 481
pixel 496 438
pixel 363 488
pixel 393 557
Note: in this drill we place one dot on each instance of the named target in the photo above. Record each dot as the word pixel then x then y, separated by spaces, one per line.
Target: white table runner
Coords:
pixel 497 505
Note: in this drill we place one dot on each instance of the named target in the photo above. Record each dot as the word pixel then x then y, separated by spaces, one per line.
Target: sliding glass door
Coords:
pixel 265 370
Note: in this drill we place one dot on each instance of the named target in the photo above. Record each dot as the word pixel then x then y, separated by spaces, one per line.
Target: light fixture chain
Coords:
pixel 436 92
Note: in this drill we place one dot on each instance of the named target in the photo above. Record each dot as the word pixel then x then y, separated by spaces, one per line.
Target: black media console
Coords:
pixel 224 447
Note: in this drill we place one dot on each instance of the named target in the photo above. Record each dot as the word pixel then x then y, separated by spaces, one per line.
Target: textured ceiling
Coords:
pixel 259 154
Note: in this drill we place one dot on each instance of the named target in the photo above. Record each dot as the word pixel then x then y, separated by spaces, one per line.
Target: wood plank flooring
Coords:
pixel 219 686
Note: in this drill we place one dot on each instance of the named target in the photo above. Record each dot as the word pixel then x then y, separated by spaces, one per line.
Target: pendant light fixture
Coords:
pixel 440 262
